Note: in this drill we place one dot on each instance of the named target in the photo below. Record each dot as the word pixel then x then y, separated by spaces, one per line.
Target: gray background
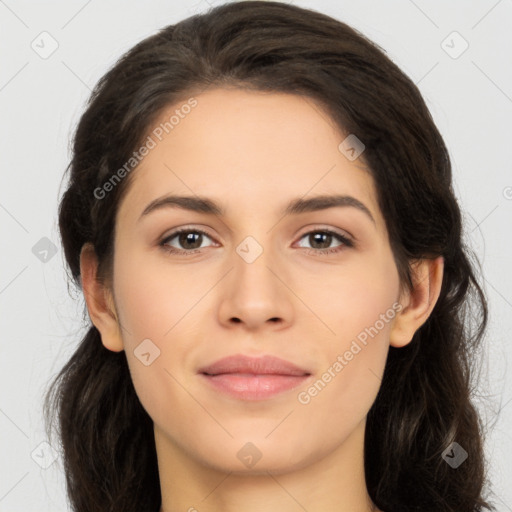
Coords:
pixel 41 99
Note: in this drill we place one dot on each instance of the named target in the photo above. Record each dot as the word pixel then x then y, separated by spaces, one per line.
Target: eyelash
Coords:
pixel 346 242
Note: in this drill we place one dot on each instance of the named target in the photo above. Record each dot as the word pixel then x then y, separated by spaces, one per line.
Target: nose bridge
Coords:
pixel 255 259
pixel 255 294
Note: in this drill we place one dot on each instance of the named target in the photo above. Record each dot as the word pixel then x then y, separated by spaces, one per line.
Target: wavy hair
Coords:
pixel 425 399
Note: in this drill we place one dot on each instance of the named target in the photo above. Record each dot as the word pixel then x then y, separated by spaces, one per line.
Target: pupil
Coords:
pixel 185 238
pixel 322 235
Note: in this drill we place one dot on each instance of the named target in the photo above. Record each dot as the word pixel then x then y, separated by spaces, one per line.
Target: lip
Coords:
pixel 253 378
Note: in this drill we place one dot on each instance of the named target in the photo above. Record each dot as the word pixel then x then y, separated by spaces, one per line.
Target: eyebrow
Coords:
pixel 294 207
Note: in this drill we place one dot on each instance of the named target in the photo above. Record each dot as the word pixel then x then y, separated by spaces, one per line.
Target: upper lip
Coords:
pixel 253 365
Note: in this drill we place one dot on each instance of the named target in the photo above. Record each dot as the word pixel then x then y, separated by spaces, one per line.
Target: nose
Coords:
pixel 256 295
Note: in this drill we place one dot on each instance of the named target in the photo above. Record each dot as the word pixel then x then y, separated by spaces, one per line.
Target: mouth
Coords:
pixel 248 378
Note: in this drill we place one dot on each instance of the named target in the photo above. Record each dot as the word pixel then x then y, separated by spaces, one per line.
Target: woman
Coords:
pixel 248 370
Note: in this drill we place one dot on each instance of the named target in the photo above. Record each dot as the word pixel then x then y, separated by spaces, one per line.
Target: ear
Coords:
pixel 427 277
pixel 99 300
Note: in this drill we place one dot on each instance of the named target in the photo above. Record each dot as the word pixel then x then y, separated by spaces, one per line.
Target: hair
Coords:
pixel 425 399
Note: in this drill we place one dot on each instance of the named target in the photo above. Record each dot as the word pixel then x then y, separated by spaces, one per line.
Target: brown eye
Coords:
pixel 321 240
pixel 188 240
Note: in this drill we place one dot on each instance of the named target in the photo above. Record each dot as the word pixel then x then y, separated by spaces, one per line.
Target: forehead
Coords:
pixel 247 148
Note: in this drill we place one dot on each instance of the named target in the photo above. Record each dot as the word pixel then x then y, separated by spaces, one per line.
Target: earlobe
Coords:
pixel 99 300
pixel 427 276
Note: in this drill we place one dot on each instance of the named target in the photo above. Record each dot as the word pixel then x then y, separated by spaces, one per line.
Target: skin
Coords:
pixel 253 152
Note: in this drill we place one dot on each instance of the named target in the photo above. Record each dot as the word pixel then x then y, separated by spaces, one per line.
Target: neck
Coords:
pixel 334 483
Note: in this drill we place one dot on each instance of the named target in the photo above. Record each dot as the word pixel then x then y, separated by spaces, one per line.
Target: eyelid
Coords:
pixel 331 229
pixel 196 227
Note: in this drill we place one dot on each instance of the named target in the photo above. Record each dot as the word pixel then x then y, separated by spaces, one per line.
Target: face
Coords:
pixel 316 287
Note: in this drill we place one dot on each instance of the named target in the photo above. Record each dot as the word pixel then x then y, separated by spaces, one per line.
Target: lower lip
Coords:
pixel 254 387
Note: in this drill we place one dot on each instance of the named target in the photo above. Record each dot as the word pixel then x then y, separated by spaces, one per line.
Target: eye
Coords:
pixel 188 238
pixel 191 241
pixel 324 238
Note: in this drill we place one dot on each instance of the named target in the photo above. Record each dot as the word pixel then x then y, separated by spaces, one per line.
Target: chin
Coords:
pixel 257 455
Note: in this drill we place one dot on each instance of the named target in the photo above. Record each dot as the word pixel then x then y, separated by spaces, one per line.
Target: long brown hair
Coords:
pixel 425 400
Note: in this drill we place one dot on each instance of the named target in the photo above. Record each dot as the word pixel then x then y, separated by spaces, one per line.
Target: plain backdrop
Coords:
pixel 42 95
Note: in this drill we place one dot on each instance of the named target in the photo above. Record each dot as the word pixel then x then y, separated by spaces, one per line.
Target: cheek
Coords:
pixel 353 363
pixel 359 297
pixel 342 396
pixel 157 304
pixel 152 298
pixel 355 355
